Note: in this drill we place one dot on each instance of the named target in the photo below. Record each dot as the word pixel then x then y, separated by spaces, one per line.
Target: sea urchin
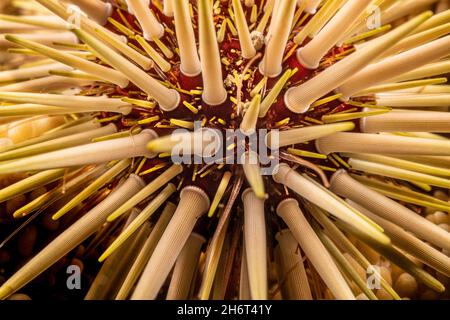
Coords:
pixel 233 149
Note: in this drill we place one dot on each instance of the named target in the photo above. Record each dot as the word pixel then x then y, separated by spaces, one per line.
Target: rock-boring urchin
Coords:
pixel 225 149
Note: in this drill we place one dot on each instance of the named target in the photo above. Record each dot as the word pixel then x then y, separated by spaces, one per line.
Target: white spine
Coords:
pixel 73 236
pixel 214 92
pixel 382 144
pixel 92 153
pixel 311 54
pixel 290 212
pixel 345 186
pixel 151 26
pixel 255 244
pixel 293 270
pixel 280 27
pixel 185 268
pixel 190 62
pixel 95 9
pixel 193 204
